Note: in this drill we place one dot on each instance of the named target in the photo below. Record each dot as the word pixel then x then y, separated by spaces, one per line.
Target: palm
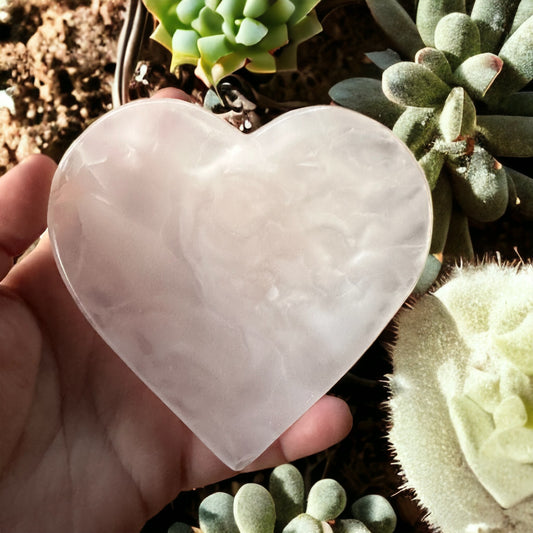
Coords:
pixel 85 445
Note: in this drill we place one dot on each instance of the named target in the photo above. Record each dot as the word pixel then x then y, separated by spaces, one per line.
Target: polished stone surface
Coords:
pixel 239 276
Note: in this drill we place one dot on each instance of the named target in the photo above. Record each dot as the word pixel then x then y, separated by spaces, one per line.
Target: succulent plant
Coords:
pixel 458 105
pixel 462 400
pixel 283 509
pixel 221 36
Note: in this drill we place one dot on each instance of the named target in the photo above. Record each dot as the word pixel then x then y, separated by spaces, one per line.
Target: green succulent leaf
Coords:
pixel 215 514
pixel 220 37
pixel 326 500
pixel 520 103
pixel 350 525
pixel 432 162
pixel 480 185
pixel 442 199
pixel 517 71
pixel 477 73
pixel 459 241
pixel 458 116
pixel 429 13
pixel 303 523
pixel 399 27
pixel 523 186
pixel 286 486
pixel 436 61
pixel 254 509
pixel 376 512
pixel 411 84
pixel 417 128
pixel 507 136
pixel 493 18
pixel 365 96
pixel 458 37
pixel 384 58
pixel 523 12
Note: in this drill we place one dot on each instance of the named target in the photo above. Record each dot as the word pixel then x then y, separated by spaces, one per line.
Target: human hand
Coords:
pixel 85 446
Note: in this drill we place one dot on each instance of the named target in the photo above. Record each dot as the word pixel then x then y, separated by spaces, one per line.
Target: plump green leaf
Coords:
pixel 397 25
pixel 366 96
pixel 429 12
pixel 493 18
pixel 523 12
pixel 350 525
pixel 431 163
pixel 459 241
pixel 458 116
pixel 458 37
pixel 376 512
pixel 517 70
pixel 255 8
pixel 215 514
pixel 523 185
pixel 417 127
pixel 507 136
pixel 436 61
pixel 326 500
pixel 520 103
pixel 286 486
pixel 411 84
pixel 480 185
pixel 442 199
pixel 477 73
pixel 303 523
pixel 254 510
pixel 250 32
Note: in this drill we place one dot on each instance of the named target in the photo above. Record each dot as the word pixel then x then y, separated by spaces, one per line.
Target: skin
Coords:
pixel 85 446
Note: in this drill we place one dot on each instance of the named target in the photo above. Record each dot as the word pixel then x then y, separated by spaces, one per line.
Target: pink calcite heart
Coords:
pixel 239 276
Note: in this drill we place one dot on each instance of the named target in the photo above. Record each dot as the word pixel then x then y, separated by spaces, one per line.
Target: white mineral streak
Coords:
pixel 240 276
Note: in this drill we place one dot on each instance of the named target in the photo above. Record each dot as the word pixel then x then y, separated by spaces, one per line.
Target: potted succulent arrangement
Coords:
pixel 443 399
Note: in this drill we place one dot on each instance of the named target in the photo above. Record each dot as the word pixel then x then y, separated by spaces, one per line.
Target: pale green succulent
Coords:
pixel 461 400
pixel 459 105
pixel 283 509
pixel 221 36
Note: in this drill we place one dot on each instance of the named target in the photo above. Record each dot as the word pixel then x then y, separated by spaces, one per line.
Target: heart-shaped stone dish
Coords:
pixel 239 276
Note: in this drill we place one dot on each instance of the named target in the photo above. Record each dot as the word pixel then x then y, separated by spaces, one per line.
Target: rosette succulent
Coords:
pixel 461 400
pixel 221 36
pixel 283 509
pixel 459 104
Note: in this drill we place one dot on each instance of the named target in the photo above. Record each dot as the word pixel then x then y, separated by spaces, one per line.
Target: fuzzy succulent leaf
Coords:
pixel 254 509
pixel 459 241
pixel 350 525
pixel 507 136
pixel 429 275
pixel 523 12
pixel 326 500
pixel 442 199
pixel 458 37
pixel 397 25
pixel 180 527
pixel 215 514
pixel 523 186
pixel 417 127
pixel 494 18
pixel 411 84
pixel 436 61
pixel 429 13
pixel 517 56
pixel 458 116
pixel 432 162
pixel 469 399
pixel 520 103
pixel 286 486
pixel 480 185
pixel 366 96
pixel 222 36
pixel 375 512
pixel 303 523
pixel 477 73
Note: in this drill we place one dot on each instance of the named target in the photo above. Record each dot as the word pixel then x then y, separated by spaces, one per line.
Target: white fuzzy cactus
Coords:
pixel 461 400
